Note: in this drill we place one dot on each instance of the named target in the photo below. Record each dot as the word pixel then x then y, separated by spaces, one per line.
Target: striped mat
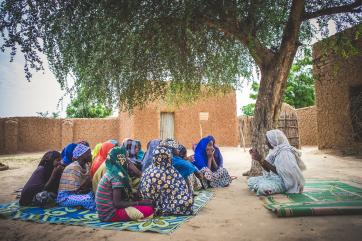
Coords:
pixel 73 216
pixel 320 197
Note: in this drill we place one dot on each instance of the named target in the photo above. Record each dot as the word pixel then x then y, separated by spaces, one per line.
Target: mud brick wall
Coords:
pixel 33 134
pixel 307 122
pixel 335 76
pixel 222 122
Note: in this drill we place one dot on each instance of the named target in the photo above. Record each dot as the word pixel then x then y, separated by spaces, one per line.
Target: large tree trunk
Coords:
pixel 274 74
pixel 266 113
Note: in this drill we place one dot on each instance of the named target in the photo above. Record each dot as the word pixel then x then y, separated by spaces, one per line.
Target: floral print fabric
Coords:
pixel 163 184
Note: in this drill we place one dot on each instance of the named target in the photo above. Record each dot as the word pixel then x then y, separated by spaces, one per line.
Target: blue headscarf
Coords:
pixel 147 158
pixel 115 142
pixel 184 167
pixel 67 154
pixel 201 156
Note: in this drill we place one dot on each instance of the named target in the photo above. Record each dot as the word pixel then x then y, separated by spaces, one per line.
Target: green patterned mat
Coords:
pixel 320 197
pixel 73 216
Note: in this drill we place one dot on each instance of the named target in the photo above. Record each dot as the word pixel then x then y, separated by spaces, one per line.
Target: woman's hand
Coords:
pixel 199 175
pixel 190 158
pixel 255 155
pixel 132 168
pixel 210 152
pixel 86 185
pixel 58 170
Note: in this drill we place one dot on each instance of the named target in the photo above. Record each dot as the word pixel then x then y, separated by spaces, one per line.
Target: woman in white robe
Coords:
pixel 283 167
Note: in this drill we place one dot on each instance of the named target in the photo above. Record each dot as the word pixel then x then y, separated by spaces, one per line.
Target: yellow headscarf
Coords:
pixel 96 150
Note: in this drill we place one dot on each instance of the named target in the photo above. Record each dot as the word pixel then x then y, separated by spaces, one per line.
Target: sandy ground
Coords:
pixel 233 214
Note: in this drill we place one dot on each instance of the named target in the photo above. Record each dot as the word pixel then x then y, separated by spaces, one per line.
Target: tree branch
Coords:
pixel 239 31
pixel 333 10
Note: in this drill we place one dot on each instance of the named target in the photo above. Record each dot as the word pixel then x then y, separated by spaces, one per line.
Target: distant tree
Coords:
pixel 55 115
pixel 46 114
pixel 248 109
pixel 299 91
pixel 43 114
pixel 83 107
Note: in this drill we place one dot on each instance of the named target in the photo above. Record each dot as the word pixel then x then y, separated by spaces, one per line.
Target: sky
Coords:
pixel 18 97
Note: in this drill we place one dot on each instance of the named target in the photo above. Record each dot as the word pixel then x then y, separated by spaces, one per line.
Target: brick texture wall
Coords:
pixel 307 123
pixel 335 76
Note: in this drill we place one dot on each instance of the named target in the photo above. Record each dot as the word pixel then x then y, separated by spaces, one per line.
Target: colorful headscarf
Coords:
pixel 101 157
pixel 67 154
pixel 116 165
pixel 162 157
pixel 96 150
pixel 79 150
pixel 171 143
pixel 115 142
pixel 84 143
pixel 130 146
pixel 201 156
pixel 147 158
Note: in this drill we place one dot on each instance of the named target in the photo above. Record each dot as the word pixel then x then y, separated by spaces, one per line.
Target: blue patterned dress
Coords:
pixel 163 184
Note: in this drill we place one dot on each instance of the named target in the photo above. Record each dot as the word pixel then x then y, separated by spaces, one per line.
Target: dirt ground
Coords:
pixel 233 214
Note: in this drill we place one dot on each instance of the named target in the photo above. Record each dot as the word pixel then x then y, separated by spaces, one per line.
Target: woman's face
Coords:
pixel 137 149
pixel 56 162
pixel 209 150
pixel 268 144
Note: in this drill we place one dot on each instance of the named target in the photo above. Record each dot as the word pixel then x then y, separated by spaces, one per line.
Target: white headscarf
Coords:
pixel 279 142
pixel 287 161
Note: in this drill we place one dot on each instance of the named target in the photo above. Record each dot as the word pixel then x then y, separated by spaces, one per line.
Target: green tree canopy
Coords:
pixel 299 91
pixel 83 107
pixel 113 46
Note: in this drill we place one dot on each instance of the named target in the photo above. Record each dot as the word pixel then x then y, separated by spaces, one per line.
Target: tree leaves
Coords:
pixel 133 52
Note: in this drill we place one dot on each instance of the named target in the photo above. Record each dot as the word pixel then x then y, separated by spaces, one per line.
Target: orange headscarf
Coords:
pixel 101 157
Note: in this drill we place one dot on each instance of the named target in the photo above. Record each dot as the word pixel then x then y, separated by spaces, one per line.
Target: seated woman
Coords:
pixel 101 157
pixel 147 158
pixel 183 166
pixel 209 161
pixel 134 152
pixel 163 184
pixel 96 150
pixel 75 183
pixel 188 170
pixel 283 167
pixel 114 198
pixel 134 155
pixel 135 173
pixel 67 154
pixel 42 187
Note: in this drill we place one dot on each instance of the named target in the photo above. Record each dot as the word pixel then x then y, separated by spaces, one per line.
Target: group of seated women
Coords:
pixel 121 182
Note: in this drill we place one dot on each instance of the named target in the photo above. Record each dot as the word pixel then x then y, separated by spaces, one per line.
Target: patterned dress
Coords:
pixel 218 178
pixel 72 177
pixel 163 184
